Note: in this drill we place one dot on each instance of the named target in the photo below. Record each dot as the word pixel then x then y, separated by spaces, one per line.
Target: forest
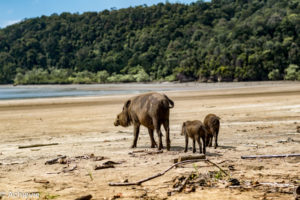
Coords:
pixel 221 40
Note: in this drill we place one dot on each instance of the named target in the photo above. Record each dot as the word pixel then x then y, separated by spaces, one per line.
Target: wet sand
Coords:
pixel 256 118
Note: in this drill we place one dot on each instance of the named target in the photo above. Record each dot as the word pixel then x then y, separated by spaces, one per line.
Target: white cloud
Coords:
pixel 3 24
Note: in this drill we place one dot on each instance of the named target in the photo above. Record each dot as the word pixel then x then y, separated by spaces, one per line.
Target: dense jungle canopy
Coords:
pixel 221 40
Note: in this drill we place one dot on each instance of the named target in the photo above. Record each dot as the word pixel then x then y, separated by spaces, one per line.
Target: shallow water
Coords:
pixel 29 92
pixel 46 91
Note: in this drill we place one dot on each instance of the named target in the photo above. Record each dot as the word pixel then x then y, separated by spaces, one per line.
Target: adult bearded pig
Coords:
pixel 150 110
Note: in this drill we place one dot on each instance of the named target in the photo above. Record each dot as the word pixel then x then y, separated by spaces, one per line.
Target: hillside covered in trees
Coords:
pixel 221 40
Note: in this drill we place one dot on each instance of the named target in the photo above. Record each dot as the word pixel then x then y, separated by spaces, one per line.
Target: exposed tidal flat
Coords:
pixel 257 118
pixel 49 91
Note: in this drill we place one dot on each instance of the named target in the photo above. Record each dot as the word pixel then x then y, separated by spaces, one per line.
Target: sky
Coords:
pixel 13 11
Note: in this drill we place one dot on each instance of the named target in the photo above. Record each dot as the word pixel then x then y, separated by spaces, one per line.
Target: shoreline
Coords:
pixel 137 88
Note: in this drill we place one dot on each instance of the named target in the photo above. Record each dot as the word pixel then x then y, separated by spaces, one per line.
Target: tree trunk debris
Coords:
pixel 270 156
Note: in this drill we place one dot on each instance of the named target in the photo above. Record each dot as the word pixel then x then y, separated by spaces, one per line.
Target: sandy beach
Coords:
pixel 256 119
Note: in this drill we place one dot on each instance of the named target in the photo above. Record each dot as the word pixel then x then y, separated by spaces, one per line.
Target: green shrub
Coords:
pixel 120 78
pixel 102 76
pixel 170 78
pixel 225 73
pixel 142 76
pixel 59 76
pixel 34 76
pixel 83 77
pixel 292 72
pixel 274 75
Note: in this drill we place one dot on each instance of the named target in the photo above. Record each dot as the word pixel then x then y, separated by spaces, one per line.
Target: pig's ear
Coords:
pixel 126 105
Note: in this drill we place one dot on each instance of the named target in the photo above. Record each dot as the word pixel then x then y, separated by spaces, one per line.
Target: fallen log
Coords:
pixel 55 160
pixel 156 175
pixel 37 145
pixel 270 156
pixel 192 157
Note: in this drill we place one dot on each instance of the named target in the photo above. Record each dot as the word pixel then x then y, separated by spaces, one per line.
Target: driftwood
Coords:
pixel 156 175
pixel 37 145
pixel 270 156
pixel 55 160
pixel 192 157
pixel 86 197
pixel 97 167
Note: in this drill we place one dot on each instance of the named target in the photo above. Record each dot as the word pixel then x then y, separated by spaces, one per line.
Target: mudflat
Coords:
pixel 256 119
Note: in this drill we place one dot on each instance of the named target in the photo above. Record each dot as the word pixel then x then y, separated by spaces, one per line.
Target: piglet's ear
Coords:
pixel 126 105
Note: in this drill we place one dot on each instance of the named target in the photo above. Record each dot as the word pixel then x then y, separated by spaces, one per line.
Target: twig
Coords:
pixel 55 160
pixel 270 156
pixel 37 145
pixel 217 166
pixel 156 175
